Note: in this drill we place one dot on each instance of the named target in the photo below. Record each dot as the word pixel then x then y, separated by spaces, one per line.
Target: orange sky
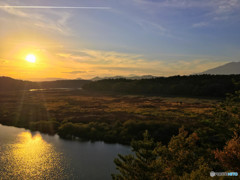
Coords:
pixel 122 39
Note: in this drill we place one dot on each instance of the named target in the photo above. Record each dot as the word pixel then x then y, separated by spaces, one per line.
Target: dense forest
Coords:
pixel 194 85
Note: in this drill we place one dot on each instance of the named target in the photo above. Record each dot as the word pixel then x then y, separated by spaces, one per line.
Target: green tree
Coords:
pixel 138 166
pixel 181 159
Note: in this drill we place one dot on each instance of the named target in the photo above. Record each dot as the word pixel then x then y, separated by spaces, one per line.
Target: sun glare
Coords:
pixel 30 58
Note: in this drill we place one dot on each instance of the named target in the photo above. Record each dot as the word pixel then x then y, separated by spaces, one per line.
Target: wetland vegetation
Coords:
pixel 111 118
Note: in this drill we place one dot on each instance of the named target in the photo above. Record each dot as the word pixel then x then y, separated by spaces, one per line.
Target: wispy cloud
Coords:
pixel 221 6
pixel 55 7
pixel 153 26
pixel 45 20
pixel 13 11
pixel 201 24
pixel 174 3
pixel 75 72
pixel 214 9
pixel 114 63
pixel 3 61
pixel 226 6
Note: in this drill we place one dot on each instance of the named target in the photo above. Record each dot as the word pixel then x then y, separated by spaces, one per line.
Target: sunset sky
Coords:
pixel 109 38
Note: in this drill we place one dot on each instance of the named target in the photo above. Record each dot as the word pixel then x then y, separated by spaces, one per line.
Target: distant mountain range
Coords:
pixel 7 83
pixel 226 69
pixel 46 79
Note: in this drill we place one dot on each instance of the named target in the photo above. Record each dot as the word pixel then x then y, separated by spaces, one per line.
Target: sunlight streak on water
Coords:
pixel 30 157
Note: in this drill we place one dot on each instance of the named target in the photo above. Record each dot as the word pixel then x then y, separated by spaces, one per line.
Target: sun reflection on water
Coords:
pixel 32 158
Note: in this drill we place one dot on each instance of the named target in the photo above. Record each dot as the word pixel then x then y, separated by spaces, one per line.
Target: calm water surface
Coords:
pixel 27 155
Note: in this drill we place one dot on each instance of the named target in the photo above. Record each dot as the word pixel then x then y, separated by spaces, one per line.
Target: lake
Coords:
pixel 33 155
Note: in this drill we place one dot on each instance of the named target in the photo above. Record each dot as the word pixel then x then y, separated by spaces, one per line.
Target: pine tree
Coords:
pixel 138 166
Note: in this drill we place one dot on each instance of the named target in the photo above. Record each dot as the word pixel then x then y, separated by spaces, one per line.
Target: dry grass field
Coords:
pixel 31 109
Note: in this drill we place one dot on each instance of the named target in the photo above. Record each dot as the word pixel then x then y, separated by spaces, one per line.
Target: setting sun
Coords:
pixel 30 58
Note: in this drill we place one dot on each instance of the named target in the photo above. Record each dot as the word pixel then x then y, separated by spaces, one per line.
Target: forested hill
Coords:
pixel 9 84
pixel 193 85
